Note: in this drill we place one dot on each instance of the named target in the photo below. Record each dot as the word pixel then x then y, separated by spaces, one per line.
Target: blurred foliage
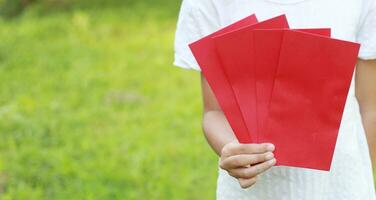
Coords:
pixel 14 8
pixel 10 8
pixel 91 107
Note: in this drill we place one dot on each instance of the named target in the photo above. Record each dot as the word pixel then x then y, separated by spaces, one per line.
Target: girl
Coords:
pixel 351 174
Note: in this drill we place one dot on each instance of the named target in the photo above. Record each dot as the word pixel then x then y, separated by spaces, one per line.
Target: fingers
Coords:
pixel 246 183
pixel 236 148
pixel 253 171
pixel 246 161
pixel 243 160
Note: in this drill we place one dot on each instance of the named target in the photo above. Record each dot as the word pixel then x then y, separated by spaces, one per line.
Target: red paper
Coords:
pixel 310 91
pixel 207 58
pixel 267 47
pixel 234 50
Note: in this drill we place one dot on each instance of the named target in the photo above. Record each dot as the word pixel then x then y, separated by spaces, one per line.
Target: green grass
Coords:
pixel 92 108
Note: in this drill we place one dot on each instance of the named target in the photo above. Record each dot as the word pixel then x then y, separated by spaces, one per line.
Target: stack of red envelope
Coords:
pixel 281 86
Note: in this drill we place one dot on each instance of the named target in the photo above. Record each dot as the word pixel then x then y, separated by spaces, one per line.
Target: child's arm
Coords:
pixel 215 125
pixel 242 161
pixel 366 94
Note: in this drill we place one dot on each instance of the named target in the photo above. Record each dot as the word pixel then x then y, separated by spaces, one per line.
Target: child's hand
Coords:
pixel 246 161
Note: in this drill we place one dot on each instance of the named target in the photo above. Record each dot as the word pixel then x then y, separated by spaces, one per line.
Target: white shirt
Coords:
pixel 351 175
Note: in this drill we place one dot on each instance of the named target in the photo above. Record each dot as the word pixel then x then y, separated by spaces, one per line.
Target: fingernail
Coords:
pixel 269 156
pixel 271 147
pixel 272 162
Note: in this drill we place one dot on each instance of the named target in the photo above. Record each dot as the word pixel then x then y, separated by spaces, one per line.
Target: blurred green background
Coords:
pixel 91 106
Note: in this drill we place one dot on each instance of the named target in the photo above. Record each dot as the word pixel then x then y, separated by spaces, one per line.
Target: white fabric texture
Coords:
pixel 367 33
pixel 351 175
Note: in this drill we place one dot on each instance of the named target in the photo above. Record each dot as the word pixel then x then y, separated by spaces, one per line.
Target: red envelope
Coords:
pixel 234 49
pixel 206 56
pixel 309 95
pixel 267 47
